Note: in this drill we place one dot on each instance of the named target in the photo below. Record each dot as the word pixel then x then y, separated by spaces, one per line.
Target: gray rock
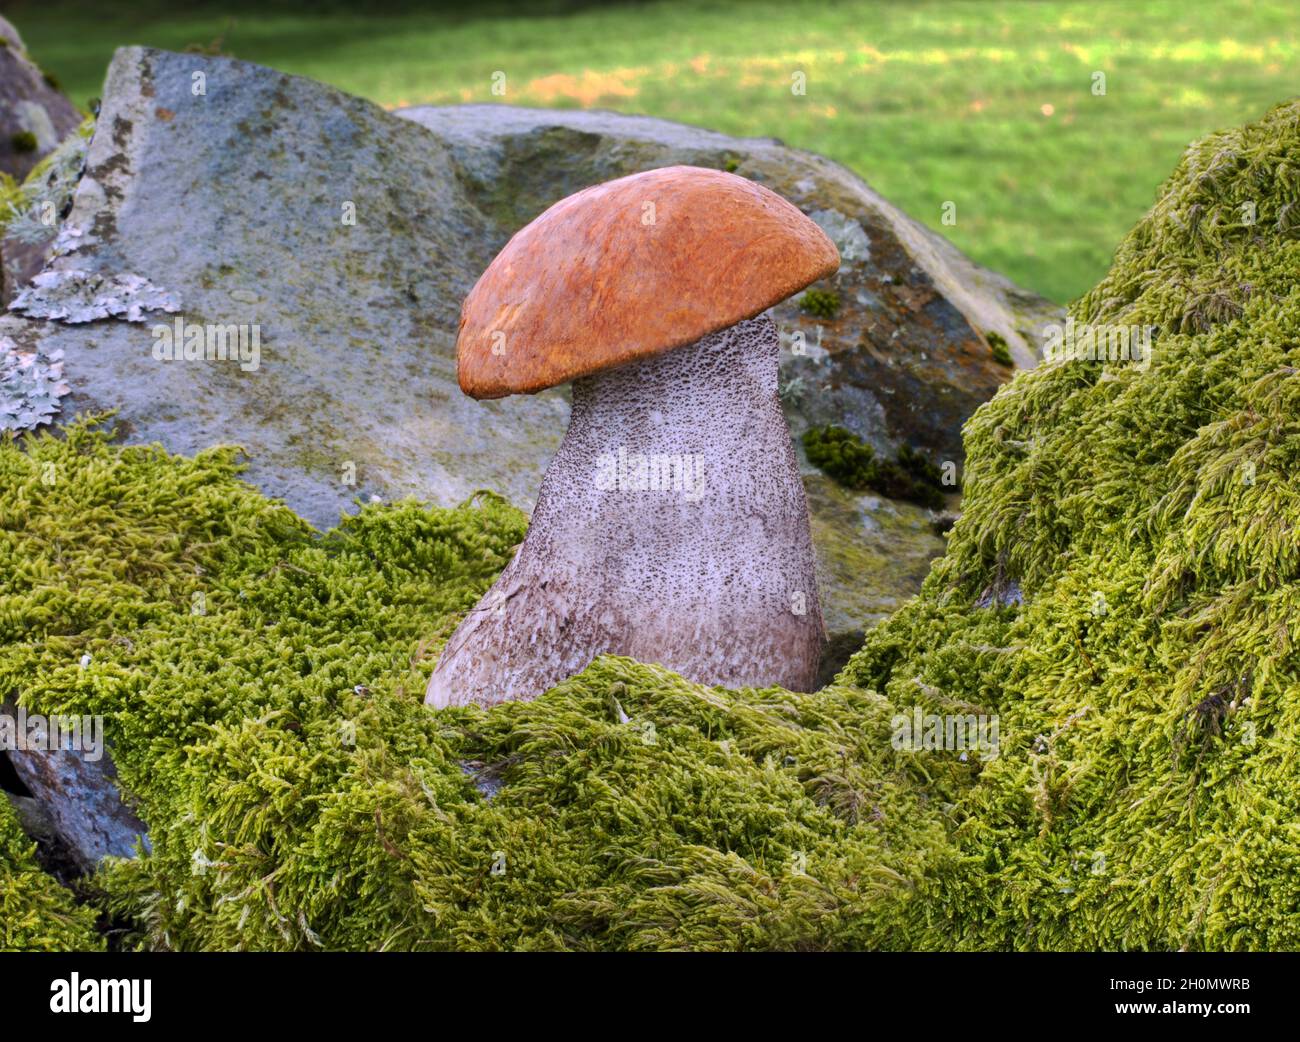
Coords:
pixel 74 804
pixel 34 119
pixel 342 238
pixel 34 116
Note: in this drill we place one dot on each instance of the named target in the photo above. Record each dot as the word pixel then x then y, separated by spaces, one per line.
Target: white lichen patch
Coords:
pixel 31 385
pixel 847 234
pixel 47 194
pixel 76 296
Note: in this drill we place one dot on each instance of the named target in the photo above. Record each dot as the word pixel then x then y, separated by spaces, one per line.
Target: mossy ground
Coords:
pixel 1122 591
pixel 262 688
pixel 1147 793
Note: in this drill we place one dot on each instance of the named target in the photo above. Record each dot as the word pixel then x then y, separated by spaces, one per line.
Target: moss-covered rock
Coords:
pixel 843 456
pixel 1123 589
pixel 820 303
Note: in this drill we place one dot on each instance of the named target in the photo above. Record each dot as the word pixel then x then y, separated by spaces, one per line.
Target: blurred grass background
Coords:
pixel 985 103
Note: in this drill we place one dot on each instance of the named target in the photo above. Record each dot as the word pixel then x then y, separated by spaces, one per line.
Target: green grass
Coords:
pixel 929 102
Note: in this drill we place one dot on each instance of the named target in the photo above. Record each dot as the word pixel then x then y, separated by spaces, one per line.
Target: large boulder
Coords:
pixel 342 238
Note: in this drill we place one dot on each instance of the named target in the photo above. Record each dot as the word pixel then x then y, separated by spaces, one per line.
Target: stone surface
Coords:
pixel 29 105
pixel 345 237
pixel 72 802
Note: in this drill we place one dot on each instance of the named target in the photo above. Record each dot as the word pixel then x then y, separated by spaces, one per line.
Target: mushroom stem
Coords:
pixel 671 527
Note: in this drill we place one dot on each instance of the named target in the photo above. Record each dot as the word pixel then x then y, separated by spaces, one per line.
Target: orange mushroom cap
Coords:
pixel 632 268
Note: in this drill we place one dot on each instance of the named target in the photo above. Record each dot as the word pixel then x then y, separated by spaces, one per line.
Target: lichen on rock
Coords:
pixel 31 386
pixel 74 296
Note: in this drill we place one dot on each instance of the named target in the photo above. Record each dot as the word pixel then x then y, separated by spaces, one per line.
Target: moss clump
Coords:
pixel 36 913
pixel 998 346
pixel 843 456
pixel 820 303
pixel 1123 587
pixel 913 477
pixel 262 690
pixel 23 141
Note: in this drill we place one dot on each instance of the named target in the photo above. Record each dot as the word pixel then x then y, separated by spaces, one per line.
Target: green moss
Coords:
pixel 820 303
pixel 843 456
pixel 23 141
pixel 912 477
pixel 11 199
pixel 998 346
pixel 262 688
pixel 36 913
pixel 1139 524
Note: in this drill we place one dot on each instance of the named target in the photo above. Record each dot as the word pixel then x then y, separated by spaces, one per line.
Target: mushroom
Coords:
pixel 672 525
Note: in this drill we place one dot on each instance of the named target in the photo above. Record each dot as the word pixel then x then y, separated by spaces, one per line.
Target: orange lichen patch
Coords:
pixel 629 269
